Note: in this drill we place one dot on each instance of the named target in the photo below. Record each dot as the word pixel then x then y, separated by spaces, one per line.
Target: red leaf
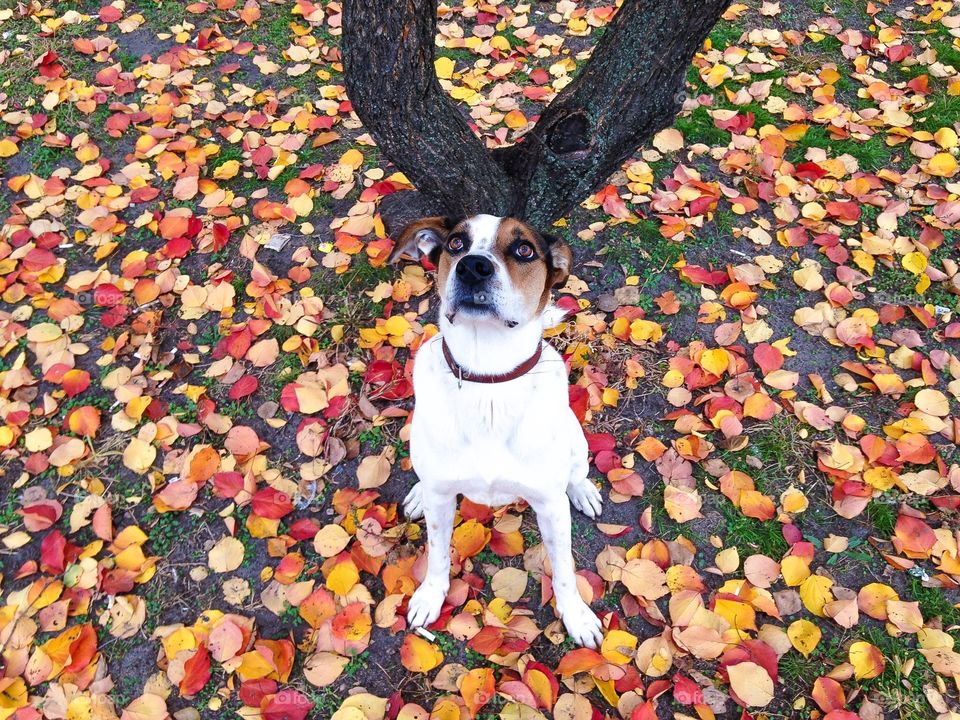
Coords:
pixel 245 386
pixel 253 692
pixel 288 704
pixel 110 14
pixel 270 503
pixel 196 672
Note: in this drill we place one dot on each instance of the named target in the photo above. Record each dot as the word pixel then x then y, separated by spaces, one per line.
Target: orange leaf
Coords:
pixel 84 421
pixel 418 655
pixel 470 538
pixel 477 688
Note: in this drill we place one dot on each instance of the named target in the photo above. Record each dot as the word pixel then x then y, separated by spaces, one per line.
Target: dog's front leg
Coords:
pixel 553 517
pixel 425 605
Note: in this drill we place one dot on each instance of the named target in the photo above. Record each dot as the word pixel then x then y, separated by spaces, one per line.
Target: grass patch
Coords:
pixel 698 127
pixel 764 537
pixel 871 155
pixel 883 516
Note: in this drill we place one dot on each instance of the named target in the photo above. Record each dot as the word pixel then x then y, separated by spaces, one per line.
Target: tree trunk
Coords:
pixel 388 48
pixel 630 88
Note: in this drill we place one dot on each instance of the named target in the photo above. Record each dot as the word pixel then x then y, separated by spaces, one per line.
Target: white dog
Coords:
pixel 492 421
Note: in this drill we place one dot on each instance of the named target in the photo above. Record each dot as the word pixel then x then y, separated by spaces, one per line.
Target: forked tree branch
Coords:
pixel 630 88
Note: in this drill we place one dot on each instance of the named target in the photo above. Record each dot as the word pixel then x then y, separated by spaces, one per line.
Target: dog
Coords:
pixel 491 419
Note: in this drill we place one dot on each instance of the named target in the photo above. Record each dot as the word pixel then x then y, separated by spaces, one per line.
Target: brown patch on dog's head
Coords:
pixel 423 238
pixel 536 262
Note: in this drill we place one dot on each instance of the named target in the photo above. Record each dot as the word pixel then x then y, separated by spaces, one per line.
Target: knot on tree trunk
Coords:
pixel 571 134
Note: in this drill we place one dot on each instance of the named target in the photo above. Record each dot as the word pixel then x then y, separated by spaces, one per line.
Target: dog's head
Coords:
pixel 489 269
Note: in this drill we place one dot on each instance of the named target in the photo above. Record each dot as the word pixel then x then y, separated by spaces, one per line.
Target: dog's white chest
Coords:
pixel 493 443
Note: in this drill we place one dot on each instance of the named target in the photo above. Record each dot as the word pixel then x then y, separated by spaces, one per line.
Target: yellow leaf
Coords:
pixel 815 593
pixel 138 456
pixel 343 577
pixel 942 164
pixel 715 361
pixel 396 325
pixel 867 660
pixel 323 668
pixel 444 67
pixel 254 666
pixel 146 707
pixel 227 170
pixel 946 138
pixel 515 119
pixel 8 148
pixel 751 683
pixel 619 647
pixel 353 158
pixel 418 655
pixel 914 262
pixel 226 555
pixel 795 570
pixel 330 540
pixel 38 440
pixel 804 636
pixel 644 578
pixel 932 402
pixel 727 561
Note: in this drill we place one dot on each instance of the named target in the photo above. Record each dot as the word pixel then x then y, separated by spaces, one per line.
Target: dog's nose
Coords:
pixel 474 269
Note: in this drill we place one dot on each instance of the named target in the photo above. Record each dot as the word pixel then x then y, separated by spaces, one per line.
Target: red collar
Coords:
pixel 519 371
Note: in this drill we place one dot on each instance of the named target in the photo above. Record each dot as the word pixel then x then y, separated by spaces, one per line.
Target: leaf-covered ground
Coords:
pixel 205 376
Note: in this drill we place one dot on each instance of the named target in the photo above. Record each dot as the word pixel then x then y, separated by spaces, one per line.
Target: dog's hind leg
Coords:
pixel 426 603
pixel 553 517
pixel 585 497
pixel 581 491
pixel 413 502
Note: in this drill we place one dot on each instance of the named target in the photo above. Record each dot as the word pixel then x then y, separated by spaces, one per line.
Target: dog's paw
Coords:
pixel 586 498
pixel 413 503
pixel 583 626
pixel 425 605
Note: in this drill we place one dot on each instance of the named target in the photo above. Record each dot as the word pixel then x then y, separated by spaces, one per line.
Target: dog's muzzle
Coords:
pixel 474 279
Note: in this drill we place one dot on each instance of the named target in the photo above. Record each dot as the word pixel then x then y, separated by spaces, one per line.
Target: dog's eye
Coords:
pixel 455 244
pixel 525 251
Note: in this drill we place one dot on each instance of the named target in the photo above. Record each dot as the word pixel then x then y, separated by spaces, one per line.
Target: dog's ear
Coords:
pixel 560 260
pixel 423 237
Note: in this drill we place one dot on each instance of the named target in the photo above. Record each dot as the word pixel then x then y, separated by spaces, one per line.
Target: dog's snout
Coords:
pixel 474 269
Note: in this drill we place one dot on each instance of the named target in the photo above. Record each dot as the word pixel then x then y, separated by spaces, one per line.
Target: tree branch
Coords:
pixel 388 52
pixel 630 88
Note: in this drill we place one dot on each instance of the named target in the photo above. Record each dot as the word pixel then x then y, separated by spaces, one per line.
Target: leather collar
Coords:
pixel 519 371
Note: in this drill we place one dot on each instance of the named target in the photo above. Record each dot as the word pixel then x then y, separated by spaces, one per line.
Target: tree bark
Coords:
pixel 630 88
pixel 388 51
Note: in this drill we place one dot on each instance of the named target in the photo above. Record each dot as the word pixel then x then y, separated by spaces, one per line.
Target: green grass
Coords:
pixel 883 516
pixel 900 692
pixel 871 155
pixel 698 127
pixel 942 110
pixel 640 248
pixel 778 445
pixel 725 34
pixel 372 437
pixel 933 603
pixel 897 287
pixel 765 537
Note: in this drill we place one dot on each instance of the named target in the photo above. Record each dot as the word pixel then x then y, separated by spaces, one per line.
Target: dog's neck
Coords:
pixel 490 348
